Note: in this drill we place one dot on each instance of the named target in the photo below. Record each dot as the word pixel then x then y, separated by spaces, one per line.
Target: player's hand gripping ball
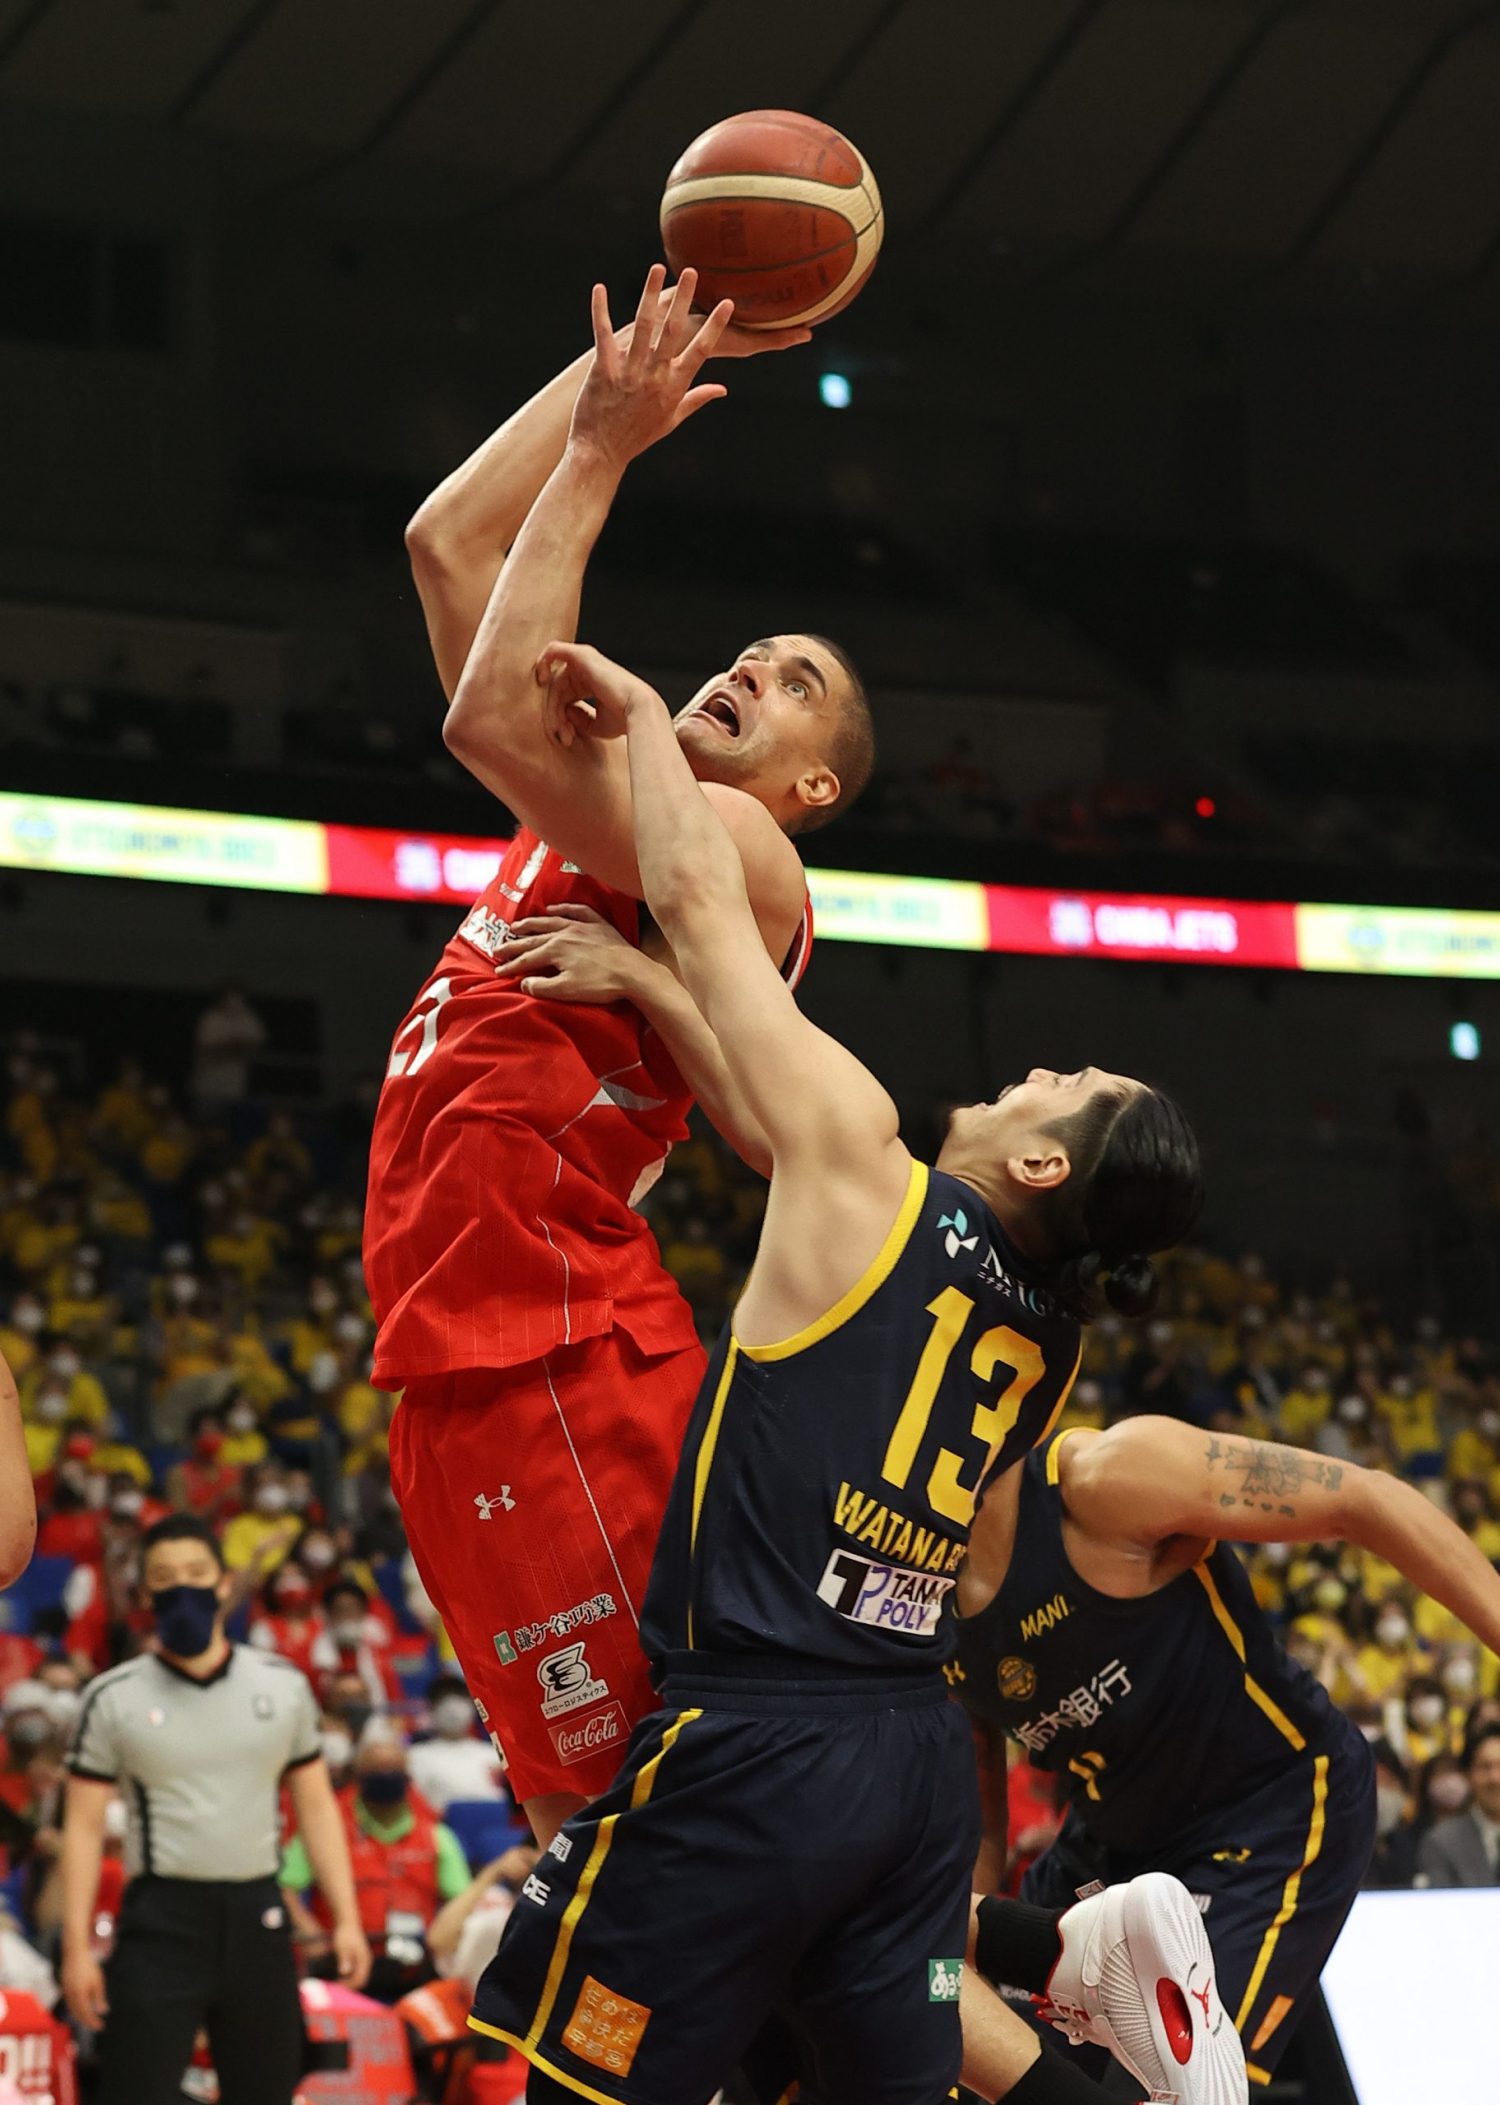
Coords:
pixel 777 212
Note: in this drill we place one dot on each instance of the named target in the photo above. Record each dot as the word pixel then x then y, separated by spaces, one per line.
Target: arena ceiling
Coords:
pixel 1300 149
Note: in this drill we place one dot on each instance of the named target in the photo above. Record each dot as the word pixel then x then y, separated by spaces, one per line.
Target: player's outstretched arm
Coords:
pixel 573 954
pixel 839 1170
pixel 1151 1478
pixel 461 535
pixel 574 793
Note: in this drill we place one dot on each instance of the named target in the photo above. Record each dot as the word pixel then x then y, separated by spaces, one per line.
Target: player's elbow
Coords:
pixel 429 546
pixel 475 729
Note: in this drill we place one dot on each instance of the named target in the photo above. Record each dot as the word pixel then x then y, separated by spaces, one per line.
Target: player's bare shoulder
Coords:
pixel 774 876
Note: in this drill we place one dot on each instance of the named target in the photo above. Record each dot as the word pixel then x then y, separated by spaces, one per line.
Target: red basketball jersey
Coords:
pixel 512 1138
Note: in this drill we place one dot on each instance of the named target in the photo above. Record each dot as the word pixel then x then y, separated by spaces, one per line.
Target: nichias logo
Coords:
pixel 944 1978
pixel 958 1236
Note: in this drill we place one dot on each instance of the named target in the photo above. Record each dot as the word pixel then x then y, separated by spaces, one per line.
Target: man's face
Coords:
pixel 1484 1779
pixel 183 1564
pixel 1012 1126
pixel 768 722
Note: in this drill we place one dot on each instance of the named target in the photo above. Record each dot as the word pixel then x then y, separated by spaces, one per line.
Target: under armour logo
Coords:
pixel 487 1508
pixel 958 1236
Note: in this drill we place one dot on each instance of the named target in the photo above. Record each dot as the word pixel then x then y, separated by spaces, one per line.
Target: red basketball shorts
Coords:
pixel 532 1498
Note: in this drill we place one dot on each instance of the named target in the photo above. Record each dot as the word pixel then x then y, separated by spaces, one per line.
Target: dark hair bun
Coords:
pixel 1130 1287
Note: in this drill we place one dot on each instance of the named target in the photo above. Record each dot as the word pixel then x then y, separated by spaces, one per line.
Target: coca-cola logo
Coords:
pixel 581 1737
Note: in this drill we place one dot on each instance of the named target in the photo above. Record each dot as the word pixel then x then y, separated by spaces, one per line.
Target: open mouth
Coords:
pixel 721 709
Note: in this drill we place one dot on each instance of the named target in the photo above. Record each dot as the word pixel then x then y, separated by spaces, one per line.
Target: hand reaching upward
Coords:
pixel 637 392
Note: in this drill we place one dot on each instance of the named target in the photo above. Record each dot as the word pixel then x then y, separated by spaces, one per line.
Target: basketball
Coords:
pixel 778 213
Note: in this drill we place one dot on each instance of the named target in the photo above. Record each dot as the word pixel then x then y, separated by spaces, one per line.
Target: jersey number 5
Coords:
pixel 406 1058
pixel 947 1493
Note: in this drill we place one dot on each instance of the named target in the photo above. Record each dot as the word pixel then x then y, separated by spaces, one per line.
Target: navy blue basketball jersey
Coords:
pixel 827 1483
pixel 1156 1711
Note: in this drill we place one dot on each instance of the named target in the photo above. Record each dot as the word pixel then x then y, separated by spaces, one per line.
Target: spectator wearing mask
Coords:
pixel 1350 1433
pixel 1394 1863
pixel 289 1620
pixel 1409 1409
pixel 1426 1732
pixel 245 1445
pixel 405 1862
pixel 347 1705
pixel 1384 1667
pixel 353 1641
pixel 19 1333
pixel 261 1536
pixel 203 1482
pixel 1306 1405
pixel 455 1762
pixel 1464 1849
pixel 198 1736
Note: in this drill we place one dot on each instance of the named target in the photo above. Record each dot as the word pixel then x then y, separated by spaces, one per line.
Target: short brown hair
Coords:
pixel 851 753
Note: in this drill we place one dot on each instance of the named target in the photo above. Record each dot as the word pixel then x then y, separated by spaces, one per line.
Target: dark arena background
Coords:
pixel 1153 483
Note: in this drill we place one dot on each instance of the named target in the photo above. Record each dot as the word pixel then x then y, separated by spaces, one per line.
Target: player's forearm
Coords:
pixel 460 536
pixel 678 1021
pixel 692 877
pixel 1394 1520
pixel 498 712
pixel 17 1492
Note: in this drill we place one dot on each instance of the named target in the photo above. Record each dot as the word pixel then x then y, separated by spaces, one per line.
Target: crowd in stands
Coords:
pixel 183 1308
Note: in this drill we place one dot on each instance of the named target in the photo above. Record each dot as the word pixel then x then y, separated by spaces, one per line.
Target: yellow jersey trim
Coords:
pixel 870 1280
pixel 705 1463
pixel 1291 1892
pixel 1253 1689
pixel 548 2068
pixel 1057 1409
pixel 574 1910
pixel 1256 2075
pixel 1054 1452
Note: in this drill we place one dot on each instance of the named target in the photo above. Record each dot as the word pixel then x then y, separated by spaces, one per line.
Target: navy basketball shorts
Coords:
pixel 1276 1874
pixel 798 1847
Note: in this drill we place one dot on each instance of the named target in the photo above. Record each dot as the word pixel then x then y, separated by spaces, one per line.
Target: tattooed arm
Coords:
pixel 1148 1479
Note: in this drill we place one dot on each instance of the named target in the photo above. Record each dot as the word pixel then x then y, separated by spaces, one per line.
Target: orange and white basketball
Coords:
pixel 777 212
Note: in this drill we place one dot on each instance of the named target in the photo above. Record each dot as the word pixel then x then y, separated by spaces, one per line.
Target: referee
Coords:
pixel 198 1736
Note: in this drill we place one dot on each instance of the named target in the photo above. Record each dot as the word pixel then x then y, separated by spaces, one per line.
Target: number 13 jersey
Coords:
pixel 511 1138
pixel 827 1483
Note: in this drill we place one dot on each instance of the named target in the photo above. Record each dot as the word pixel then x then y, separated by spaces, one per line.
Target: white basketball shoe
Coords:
pixel 1136 1975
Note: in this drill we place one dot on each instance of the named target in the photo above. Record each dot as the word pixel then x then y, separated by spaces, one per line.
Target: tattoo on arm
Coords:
pixel 1267 1479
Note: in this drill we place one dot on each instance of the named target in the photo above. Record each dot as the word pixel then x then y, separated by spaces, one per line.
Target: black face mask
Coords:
pixel 355 1716
pixel 185 1618
pixel 383 1788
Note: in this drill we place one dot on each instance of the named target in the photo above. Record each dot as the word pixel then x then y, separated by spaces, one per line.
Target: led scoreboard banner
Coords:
pixel 83 838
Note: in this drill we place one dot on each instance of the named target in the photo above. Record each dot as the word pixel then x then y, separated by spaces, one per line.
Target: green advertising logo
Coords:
pixel 943 1978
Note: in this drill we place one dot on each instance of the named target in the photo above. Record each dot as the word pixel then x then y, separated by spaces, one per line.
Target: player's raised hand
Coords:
pixel 737 341
pixel 642 387
pixel 588 695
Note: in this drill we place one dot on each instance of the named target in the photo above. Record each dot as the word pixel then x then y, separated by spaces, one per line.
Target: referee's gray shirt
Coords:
pixel 199 1763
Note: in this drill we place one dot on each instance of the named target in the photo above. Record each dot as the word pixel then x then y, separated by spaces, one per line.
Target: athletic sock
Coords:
pixel 1052 2080
pixel 1017 1944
